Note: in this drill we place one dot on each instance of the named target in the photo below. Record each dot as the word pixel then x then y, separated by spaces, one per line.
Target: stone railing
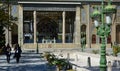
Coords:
pixel 48 40
pixel 50 45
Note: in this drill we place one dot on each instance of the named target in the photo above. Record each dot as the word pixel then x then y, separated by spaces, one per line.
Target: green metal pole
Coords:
pixel 103 46
pixel 103 56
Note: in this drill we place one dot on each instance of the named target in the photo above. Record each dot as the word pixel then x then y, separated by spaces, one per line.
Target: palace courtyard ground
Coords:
pixel 30 61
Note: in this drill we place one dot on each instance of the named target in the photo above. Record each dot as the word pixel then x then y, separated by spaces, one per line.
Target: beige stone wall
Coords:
pixel 89 25
pixel 59 45
pixel 98 45
pixel 50 45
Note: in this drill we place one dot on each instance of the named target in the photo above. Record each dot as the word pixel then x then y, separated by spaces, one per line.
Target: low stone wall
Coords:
pixel 50 45
pixel 98 45
pixel 81 60
pixel 58 45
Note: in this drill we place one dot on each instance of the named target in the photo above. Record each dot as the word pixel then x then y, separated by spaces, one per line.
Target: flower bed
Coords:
pixel 61 64
pixel 116 49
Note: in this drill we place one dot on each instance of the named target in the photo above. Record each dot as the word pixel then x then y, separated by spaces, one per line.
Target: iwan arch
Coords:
pixel 59 23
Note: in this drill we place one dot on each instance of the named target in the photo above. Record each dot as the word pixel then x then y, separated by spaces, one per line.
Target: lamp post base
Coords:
pixel 103 61
pixel 103 68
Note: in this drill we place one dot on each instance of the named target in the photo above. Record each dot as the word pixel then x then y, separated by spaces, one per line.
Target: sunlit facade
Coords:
pixel 59 23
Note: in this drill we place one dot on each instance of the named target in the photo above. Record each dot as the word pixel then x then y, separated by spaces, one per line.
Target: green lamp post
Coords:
pixel 37 49
pixel 103 29
pixel 83 40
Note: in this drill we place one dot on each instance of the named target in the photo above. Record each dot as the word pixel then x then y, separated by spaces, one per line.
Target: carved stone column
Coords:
pixel 34 18
pixel 77 36
pixel 89 32
pixel 20 25
pixel 113 29
pixel 113 33
pixel 6 35
pixel 63 27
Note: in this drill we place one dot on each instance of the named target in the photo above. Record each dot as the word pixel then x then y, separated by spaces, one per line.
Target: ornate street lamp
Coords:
pixel 83 40
pixel 103 29
pixel 37 49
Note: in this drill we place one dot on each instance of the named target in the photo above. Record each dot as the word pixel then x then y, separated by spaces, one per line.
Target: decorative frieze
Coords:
pixel 49 9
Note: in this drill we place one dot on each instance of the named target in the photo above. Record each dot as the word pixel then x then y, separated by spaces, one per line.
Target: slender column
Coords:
pixel 88 26
pixel 20 26
pixel 77 26
pixel 34 16
pixel 63 27
pixel 113 33
pixel 113 30
pixel 10 36
pixel 8 29
pixel 6 35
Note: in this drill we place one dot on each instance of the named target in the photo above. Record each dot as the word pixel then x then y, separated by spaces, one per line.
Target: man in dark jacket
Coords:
pixel 18 52
pixel 8 52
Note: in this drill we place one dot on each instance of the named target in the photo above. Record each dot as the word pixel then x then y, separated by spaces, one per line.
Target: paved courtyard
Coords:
pixel 30 61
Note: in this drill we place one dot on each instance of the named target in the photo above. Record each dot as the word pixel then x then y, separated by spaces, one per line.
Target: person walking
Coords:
pixel 8 52
pixel 18 52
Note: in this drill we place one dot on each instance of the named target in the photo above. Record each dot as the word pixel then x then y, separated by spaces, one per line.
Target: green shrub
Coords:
pixel 52 60
pixel 116 49
pixel 95 51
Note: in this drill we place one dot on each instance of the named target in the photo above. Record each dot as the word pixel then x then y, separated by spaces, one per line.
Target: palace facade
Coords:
pixel 58 23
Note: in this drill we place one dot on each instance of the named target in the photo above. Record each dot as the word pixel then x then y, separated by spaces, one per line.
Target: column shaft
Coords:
pixel 63 27
pixel 113 30
pixel 88 27
pixel 34 16
pixel 77 26
pixel 20 26
pixel 6 35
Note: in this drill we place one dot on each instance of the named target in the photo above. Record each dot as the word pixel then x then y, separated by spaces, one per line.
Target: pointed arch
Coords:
pixel 47 28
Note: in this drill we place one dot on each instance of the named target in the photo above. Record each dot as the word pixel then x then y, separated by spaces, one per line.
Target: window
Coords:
pixel 94 38
pixel 28 27
pixel 109 39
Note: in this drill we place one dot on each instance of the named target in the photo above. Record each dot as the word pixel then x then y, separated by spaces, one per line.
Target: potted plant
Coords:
pixel 49 57
pixel 59 63
pixel 116 50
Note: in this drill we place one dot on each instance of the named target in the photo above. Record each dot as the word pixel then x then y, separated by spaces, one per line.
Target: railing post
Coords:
pixel 89 62
pixel 109 67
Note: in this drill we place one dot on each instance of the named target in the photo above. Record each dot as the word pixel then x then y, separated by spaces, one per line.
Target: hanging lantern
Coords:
pixel 108 19
pixel 96 23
